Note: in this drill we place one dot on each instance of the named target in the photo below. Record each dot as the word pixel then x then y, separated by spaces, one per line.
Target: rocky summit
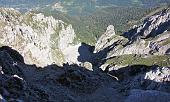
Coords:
pixel 42 59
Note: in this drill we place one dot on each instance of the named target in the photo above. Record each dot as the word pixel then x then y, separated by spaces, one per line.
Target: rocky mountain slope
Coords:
pixel 149 40
pixel 147 37
pixel 115 69
pixel 20 82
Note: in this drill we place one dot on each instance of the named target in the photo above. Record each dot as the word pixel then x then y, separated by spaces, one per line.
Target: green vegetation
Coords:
pixel 121 17
pixel 140 60
pixel 90 27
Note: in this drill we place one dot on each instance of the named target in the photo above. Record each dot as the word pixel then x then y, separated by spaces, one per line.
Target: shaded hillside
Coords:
pixel 71 83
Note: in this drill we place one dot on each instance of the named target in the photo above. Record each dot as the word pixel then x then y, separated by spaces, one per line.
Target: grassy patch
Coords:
pixel 163 60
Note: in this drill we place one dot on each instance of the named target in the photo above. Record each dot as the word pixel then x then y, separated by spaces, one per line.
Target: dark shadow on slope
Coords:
pixel 101 56
pixel 137 32
pixel 42 82
pixel 134 77
pixel 159 30
pixel 86 53
pixel 133 34
pixel 168 51
pixel 13 53
pixel 96 59
pixel 9 58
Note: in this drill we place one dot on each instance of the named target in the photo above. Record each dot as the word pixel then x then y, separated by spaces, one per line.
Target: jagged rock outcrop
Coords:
pixel 152 26
pixel 154 46
pixel 150 38
pixel 51 83
pixel 104 40
pixel 36 36
pixel 107 39
pixel 160 77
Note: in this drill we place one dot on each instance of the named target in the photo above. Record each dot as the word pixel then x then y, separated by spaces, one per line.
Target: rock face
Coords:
pixel 36 36
pixel 159 75
pixel 152 26
pixel 150 38
pixel 104 40
pixel 144 77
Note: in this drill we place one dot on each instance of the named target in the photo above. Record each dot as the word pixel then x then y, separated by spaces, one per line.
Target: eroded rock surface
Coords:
pixel 36 36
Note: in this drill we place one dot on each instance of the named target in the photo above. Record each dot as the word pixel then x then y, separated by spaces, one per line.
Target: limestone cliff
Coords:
pixel 35 36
